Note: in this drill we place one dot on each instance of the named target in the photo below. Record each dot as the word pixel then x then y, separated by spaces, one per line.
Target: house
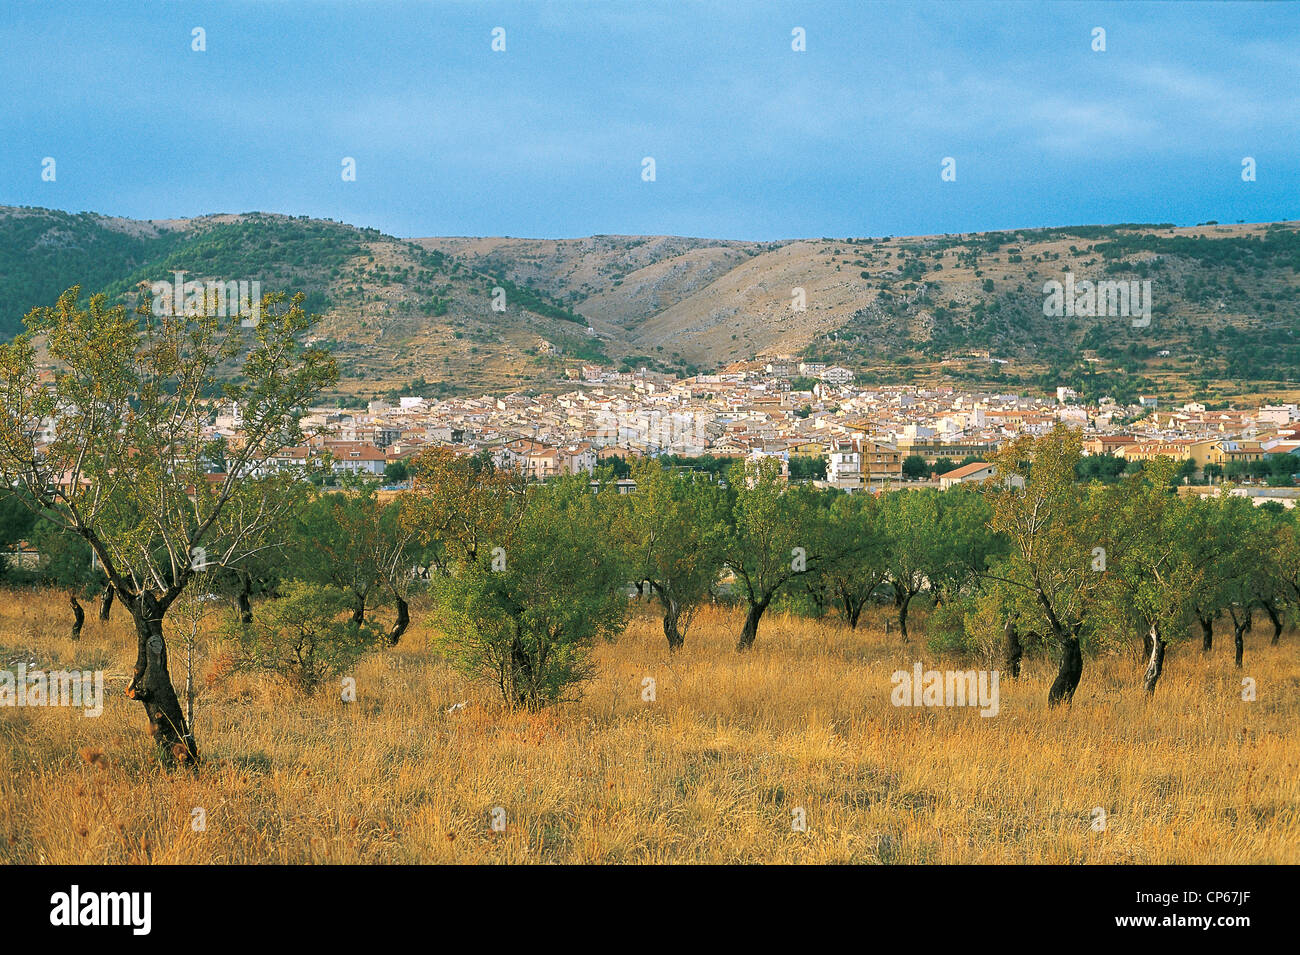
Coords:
pixel 1108 443
pixel 578 459
pixel 974 473
pixel 542 463
pixel 1226 452
pixel 357 459
pixel 844 470
pixel 283 459
pixel 757 456
pixel 1150 451
pixel 880 462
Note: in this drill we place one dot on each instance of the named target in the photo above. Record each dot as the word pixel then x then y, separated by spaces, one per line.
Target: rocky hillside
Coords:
pixel 1225 299
pixel 394 312
pixel 1224 302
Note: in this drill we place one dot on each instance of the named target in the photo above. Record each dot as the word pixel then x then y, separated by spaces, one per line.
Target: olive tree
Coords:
pixel 770 537
pixel 550 584
pixel 1057 545
pixel 111 436
pixel 674 527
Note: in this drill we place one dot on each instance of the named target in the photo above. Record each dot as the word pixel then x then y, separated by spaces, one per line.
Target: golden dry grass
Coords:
pixel 711 771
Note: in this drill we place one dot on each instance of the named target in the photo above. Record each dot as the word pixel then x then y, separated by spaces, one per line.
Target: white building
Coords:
pixel 844 470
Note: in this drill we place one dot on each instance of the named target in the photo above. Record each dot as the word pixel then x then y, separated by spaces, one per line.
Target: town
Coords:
pixel 852 438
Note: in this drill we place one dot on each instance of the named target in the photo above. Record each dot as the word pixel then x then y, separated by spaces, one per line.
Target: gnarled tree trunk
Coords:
pixel 1156 660
pixel 78 615
pixel 1275 618
pixel 852 609
pixel 672 624
pixel 359 609
pixel 402 622
pixel 1068 673
pixel 671 632
pixel 1240 624
pixel 151 683
pixel 902 615
pixel 1207 633
pixel 243 597
pixel 1012 649
pixel 750 631
pixel 106 602
pixel 672 611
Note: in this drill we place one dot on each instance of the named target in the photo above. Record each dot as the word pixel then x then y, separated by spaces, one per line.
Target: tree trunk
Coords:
pixel 750 630
pixel 1240 624
pixel 151 684
pixel 1276 620
pixel 854 611
pixel 359 609
pixel 672 613
pixel 1207 633
pixel 78 616
pixel 1069 673
pixel 519 688
pixel 1156 662
pixel 402 622
pixel 1012 650
pixel 245 592
pixel 106 602
pixel 902 616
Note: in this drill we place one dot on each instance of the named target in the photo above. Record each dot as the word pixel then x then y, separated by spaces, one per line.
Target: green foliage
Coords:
pixel 130 448
pixel 527 614
pixel 914 466
pixel 1052 535
pixel 945 628
pixel 17 519
pixel 305 636
pixel 807 467
pixel 44 252
pixel 1100 467
pixel 674 532
pixel 1151 578
pixel 537 303
pixel 65 559
pixel 280 253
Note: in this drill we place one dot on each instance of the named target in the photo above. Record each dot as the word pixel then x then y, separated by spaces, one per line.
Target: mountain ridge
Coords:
pixel 958 306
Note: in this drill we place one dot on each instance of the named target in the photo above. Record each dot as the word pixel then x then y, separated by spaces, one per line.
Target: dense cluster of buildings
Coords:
pixel 780 410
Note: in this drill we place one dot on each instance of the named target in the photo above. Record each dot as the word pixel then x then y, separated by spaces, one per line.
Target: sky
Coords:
pixel 751 139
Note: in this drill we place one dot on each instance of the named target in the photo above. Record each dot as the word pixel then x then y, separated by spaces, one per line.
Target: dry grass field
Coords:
pixel 711 771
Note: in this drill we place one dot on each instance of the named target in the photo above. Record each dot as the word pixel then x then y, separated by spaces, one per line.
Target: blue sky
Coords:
pixel 750 139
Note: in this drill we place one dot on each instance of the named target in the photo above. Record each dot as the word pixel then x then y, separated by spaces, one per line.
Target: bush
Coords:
pixel 527 613
pixel 946 628
pixel 304 637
